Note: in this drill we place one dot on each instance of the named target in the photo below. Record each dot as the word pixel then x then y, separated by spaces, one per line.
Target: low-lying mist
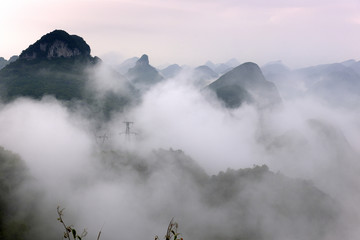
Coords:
pixel 176 164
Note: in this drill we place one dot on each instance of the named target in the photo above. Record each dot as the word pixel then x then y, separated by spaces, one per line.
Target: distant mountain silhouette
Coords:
pixel 222 68
pixel 356 67
pixel 232 63
pixel 4 62
pixel 246 84
pixel 171 71
pixel 336 84
pixel 13 58
pixel 274 68
pixel 205 72
pixel 348 63
pixel 143 75
pixel 279 74
pixel 203 75
pixel 124 67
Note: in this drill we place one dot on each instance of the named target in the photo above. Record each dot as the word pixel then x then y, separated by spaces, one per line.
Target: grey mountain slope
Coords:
pixel 246 84
pixel 143 75
pixel 355 66
pixel 222 68
pixel 124 67
pixel 274 68
pixel 203 75
pixel 337 86
pixel 232 63
pixel 171 71
pixel 4 62
pixel 13 58
pixel 334 83
pixel 205 72
pixel 348 63
pixel 210 64
pixel 278 73
pixel 337 83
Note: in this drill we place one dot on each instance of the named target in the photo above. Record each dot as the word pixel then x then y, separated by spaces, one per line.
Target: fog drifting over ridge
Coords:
pixel 305 138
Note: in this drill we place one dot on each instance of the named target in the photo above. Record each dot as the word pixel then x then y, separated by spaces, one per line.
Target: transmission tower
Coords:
pixel 128 132
pixel 103 137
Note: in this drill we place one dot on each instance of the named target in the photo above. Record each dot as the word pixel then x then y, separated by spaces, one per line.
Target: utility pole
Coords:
pixel 128 132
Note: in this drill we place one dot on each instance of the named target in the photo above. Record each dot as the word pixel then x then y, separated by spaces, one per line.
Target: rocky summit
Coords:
pixel 143 75
pixel 53 65
pixel 57 44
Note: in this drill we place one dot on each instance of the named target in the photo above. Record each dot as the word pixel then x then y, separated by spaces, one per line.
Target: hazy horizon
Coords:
pixel 300 33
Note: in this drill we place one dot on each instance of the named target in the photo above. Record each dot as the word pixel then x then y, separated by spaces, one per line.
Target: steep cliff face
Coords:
pixel 57 44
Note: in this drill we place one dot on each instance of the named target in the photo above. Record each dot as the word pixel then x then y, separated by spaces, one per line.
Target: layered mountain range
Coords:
pixel 337 83
pixel 57 64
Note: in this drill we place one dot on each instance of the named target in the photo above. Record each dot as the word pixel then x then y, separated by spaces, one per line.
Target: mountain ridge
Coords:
pixel 57 43
pixel 143 75
pixel 246 84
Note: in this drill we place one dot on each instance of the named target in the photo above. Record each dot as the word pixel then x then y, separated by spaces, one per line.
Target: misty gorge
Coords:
pixel 229 151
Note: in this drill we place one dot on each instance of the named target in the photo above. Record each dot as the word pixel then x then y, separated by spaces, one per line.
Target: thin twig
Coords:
pixel 60 213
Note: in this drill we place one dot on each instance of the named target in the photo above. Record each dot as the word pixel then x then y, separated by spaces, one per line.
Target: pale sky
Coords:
pixel 298 32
